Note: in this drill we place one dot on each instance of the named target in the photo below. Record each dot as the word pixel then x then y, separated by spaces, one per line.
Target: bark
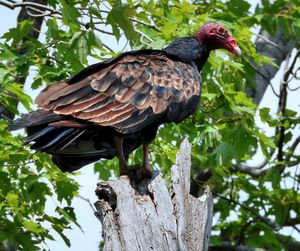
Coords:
pixel 147 217
pixel 33 33
pixel 276 47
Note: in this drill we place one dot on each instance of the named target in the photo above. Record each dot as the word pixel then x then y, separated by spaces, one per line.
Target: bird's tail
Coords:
pixel 36 118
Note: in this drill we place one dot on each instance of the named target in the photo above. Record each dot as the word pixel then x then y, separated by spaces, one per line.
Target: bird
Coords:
pixel 111 108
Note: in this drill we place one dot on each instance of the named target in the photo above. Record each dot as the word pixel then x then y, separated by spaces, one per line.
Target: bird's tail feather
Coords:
pixel 36 118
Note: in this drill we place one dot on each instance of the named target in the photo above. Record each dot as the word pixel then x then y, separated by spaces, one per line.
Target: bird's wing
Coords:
pixel 128 94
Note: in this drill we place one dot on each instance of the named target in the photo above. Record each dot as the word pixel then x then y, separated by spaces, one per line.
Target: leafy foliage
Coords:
pixel 224 130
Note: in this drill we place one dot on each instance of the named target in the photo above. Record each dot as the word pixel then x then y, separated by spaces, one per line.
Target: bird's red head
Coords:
pixel 215 36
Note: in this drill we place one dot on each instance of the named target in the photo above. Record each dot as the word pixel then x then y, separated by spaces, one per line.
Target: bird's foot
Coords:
pixel 138 173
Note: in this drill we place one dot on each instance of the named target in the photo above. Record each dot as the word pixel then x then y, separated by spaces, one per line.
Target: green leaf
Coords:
pixel 22 97
pixel 65 190
pixel 70 15
pixel 7 53
pixel 263 138
pixel 59 230
pixel 12 200
pixel 33 227
pixel 119 16
pixel 224 153
pixel 68 213
pixel 18 33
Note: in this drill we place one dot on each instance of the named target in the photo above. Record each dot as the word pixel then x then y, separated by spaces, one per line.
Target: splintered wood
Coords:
pixel 149 217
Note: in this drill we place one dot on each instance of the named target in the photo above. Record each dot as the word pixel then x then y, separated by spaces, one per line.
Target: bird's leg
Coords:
pixel 146 165
pixel 120 155
pixel 146 172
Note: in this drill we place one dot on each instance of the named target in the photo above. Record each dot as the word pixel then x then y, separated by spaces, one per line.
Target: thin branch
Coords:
pixel 242 232
pixel 293 163
pixel 252 171
pixel 280 130
pixel 100 30
pixel 281 110
pixel 145 24
pixel 292 148
pixel 293 89
pixel 290 70
pixel 297 229
pixel 292 222
pixel 270 42
pixel 108 48
pixel 262 75
pixel 42 13
pixel 264 219
pixel 12 6
pixel 89 202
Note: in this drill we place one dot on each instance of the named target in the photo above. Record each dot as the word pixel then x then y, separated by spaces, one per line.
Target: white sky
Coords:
pixel 89 240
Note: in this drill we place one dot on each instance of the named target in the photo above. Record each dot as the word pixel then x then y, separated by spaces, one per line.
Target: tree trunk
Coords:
pixel 34 32
pixel 148 217
pixel 275 47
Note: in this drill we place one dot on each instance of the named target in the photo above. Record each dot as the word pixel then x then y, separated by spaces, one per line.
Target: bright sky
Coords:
pixel 90 237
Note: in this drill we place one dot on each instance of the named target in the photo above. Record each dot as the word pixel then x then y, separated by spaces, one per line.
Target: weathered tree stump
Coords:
pixel 149 217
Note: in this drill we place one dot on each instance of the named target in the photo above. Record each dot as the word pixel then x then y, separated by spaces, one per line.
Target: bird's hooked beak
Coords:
pixel 232 46
pixel 237 51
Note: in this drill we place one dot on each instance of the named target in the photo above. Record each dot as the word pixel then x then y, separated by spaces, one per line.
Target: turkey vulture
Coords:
pixel 111 108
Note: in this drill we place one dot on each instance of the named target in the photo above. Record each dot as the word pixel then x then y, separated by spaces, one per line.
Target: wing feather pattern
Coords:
pixel 128 94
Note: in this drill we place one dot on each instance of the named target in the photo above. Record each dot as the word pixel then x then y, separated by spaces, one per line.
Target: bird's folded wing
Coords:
pixel 127 95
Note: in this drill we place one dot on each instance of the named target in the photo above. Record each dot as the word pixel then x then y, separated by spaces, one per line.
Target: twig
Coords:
pixel 290 69
pixel 103 31
pixel 42 14
pixel 30 4
pixel 292 148
pixel 292 222
pixel 296 228
pixel 293 163
pixel 264 219
pixel 262 75
pixel 270 42
pixel 145 24
pixel 293 89
pixel 254 172
pixel 242 232
pixel 108 48
pixel 88 201
pixel 281 110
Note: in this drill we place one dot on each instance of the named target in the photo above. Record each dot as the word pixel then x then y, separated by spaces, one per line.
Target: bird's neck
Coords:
pixel 188 50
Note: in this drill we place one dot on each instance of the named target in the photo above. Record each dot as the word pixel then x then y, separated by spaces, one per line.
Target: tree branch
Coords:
pixel 282 106
pixel 34 32
pixel 264 219
pixel 292 149
pixel 12 6
pixel 292 222
pixel 145 24
pixel 268 49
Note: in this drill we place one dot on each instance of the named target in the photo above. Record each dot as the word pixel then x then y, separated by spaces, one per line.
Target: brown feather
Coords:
pixel 68 123
pixel 130 93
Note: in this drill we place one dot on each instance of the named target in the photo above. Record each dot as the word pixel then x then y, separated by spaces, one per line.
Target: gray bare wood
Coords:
pixel 149 217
